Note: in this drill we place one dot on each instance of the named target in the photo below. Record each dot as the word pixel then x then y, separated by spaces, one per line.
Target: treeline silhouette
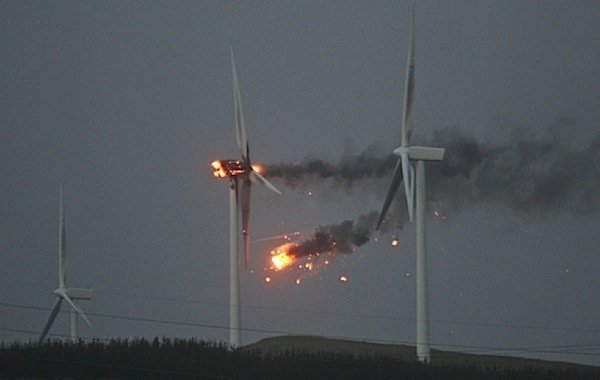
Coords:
pixel 177 358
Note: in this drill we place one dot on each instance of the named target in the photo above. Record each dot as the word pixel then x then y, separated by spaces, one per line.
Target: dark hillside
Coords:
pixel 275 358
pixel 313 344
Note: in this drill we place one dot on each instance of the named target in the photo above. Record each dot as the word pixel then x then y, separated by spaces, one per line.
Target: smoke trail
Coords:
pixel 528 175
pixel 350 169
pixel 339 238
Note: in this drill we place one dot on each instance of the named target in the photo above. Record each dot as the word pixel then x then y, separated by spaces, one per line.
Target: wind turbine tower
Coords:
pixel 241 175
pixel 70 295
pixel 414 183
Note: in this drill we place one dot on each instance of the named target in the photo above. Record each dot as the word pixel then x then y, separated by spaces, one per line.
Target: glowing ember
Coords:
pixel 281 258
pixel 343 278
pixel 267 279
pixel 395 241
pixel 297 281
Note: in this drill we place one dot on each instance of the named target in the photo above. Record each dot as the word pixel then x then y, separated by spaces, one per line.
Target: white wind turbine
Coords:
pixel 405 171
pixel 241 174
pixel 64 293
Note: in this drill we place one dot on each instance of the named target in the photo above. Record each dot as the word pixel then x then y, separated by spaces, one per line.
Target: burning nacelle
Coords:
pixel 227 168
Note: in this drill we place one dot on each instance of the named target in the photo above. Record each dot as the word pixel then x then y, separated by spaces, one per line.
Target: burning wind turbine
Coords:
pixel 241 173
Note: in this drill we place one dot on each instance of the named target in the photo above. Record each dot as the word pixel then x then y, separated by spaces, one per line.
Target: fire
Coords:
pixel 258 168
pixel 281 257
pixel 218 169
pixel 227 168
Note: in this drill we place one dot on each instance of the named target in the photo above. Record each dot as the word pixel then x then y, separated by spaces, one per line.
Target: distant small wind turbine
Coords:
pixel 239 172
pixel 405 171
pixel 63 293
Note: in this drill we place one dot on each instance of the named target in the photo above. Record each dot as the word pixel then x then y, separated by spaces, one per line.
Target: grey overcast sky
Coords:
pixel 127 103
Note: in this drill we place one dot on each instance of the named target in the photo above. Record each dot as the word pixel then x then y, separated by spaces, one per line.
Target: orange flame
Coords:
pixel 218 170
pixel 258 168
pixel 281 257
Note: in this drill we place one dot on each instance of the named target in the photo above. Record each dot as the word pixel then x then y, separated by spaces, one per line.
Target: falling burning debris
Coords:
pixel 339 238
pixel 343 278
pixel 281 257
pixel 395 241
pixel 326 243
pixel 528 175
pixel 267 279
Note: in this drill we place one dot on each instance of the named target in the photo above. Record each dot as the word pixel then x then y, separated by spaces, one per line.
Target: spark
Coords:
pixel 343 278
pixel 395 241
pixel 298 281
pixel 267 279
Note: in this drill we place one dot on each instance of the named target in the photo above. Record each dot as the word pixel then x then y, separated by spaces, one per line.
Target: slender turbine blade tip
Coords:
pixel 240 129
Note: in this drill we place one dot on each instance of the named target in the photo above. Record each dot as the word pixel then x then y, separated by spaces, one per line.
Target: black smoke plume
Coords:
pixel 528 175
pixel 338 238
pixel 349 170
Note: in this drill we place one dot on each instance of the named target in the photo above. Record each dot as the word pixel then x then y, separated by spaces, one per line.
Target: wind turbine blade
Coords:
pixel 396 178
pixel 51 319
pixel 258 178
pixel 62 242
pixel 245 205
pixel 409 84
pixel 409 182
pixel 240 129
pixel 75 307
